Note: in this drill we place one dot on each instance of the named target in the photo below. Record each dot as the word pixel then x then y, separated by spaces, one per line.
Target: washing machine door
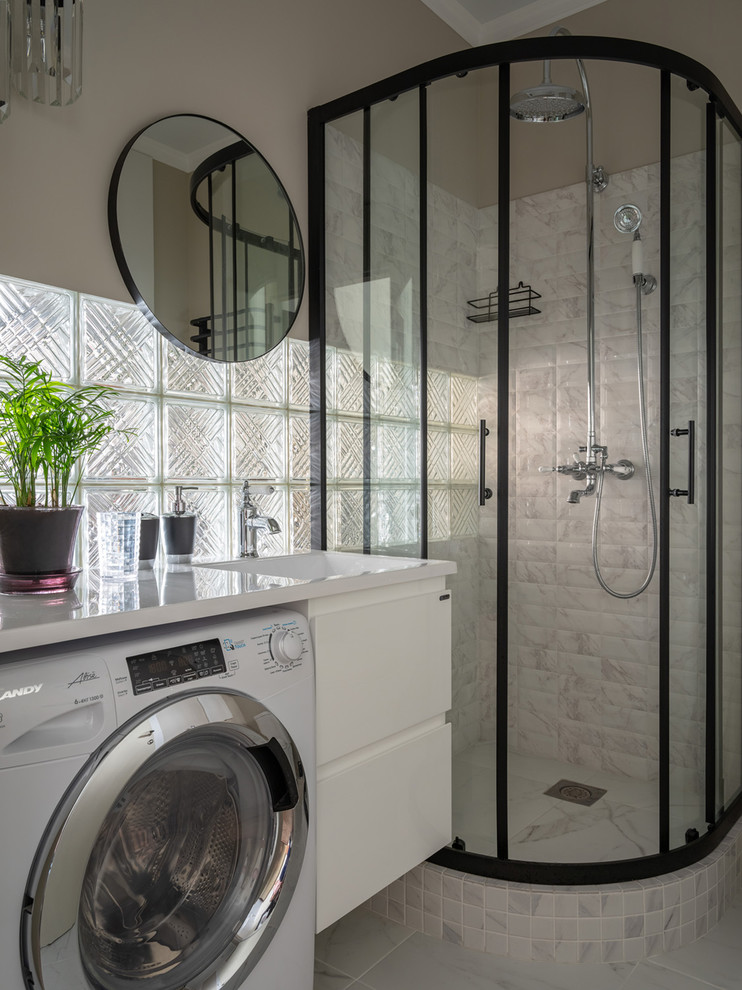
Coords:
pixel 173 856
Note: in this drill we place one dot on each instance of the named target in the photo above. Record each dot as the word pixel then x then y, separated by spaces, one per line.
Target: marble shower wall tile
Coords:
pixel 583 665
pixel 598 702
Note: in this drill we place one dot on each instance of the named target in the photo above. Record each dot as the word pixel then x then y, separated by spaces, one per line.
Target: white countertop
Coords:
pixel 175 593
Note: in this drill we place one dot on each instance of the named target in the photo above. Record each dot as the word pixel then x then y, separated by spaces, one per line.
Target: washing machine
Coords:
pixel 156 810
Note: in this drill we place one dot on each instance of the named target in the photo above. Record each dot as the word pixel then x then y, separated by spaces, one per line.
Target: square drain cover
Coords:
pixel 570 790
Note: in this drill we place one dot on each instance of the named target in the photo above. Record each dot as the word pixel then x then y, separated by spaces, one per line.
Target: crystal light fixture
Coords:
pixel 4 60
pixel 47 50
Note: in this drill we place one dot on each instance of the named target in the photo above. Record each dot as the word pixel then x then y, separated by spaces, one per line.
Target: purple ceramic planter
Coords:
pixel 37 541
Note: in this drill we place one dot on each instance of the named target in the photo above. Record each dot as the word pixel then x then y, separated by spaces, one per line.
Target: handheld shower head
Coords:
pixel 627 218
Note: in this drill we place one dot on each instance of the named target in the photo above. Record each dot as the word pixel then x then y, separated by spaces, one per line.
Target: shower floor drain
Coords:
pixel 570 790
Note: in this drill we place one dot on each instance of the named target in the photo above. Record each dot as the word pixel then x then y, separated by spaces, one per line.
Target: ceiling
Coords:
pixel 481 22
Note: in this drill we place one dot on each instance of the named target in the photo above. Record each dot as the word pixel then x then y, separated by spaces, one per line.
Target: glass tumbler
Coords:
pixel 118 545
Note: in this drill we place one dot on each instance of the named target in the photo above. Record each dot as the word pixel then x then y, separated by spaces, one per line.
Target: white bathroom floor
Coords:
pixel 366 952
pixel 622 824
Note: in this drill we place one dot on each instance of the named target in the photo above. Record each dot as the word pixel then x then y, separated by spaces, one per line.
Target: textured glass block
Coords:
pixel 345 380
pixel 464 507
pixel 463 401
pixel 300 535
pixel 37 320
pixel 298 372
pixel 438 455
pixel 258 445
pixel 273 505
pixel 396 454
pixel 299 460
pixel 438 513
pixel 195 441
pixel 395 390
pixel 128 458
pixel 119 346
pixel 192 375
pixel 345 518
pixel 211 506
pixel 111 500
pixel 464 456
pixel 262 380
pixel 346 454
pixel 395 517
pixel 439 387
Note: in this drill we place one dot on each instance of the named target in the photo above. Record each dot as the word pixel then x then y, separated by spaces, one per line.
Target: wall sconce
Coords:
pixel 44 39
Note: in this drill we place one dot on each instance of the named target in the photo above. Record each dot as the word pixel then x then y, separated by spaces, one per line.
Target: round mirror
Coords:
pixel 206 238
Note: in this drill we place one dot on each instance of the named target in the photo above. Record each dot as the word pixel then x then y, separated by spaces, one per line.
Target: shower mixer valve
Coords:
pixel 623 469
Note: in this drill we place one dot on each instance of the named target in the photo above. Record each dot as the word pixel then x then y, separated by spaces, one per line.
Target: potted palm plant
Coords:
pixel 46 429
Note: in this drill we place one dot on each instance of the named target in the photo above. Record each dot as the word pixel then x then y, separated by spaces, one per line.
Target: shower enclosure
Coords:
pixel 527 357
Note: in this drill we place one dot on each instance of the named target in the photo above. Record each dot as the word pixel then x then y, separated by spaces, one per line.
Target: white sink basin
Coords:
pixel 317 565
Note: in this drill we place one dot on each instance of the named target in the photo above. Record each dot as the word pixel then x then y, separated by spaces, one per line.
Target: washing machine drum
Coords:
pixel 172 858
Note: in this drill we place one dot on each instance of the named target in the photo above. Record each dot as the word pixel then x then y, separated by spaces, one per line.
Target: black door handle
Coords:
pixel 690 432
pixel 484 492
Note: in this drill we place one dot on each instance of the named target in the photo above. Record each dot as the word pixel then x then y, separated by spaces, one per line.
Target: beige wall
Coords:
pixel 256 65
pixel 462 113
pixel 625 98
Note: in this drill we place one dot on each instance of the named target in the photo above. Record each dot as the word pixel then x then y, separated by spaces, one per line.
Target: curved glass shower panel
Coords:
pixel 461 390
pixel 687 521
pixel 343 304
pixel 578 331
pixel 583 751
pixel 730 461
pixel 393 324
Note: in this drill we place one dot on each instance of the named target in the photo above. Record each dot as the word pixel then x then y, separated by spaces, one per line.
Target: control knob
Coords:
pixel 285 646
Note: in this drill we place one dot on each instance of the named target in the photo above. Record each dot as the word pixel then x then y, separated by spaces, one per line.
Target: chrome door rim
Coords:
pixel 50 926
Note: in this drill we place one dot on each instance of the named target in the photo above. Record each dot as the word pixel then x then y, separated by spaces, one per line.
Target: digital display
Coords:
pixel 176 665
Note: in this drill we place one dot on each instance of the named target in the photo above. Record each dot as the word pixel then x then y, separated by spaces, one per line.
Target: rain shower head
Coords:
pixel 627 218
pixel 547 103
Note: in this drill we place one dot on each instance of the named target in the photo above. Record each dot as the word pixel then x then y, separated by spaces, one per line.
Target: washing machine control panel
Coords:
pixel 175 665
pixel 286 647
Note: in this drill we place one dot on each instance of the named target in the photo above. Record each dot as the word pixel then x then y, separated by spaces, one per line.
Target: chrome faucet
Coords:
pixel 589 470
pixel 251 521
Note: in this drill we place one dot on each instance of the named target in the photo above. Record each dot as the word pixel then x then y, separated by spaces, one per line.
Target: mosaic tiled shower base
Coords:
pixel 611 923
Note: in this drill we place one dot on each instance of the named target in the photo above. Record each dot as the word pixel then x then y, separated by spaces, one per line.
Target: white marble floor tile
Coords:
pixel 549 771
pixel 425 963
pixel 419 962
pixel 638 793
pixel 525 811
pixel 622 824
pixel 481 754
pixel 648 976
pixel 577 834
pixel 357 942
pixel 328 978
pixel 716 958
pixel 472 783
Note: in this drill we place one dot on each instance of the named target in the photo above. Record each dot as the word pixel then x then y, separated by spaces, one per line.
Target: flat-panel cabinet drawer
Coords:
pixel 380 669
pixel 379 818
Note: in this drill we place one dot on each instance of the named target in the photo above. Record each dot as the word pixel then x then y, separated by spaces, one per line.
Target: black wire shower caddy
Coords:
pixel 520 303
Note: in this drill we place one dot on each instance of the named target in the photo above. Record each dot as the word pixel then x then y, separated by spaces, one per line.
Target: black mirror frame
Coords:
pixel 126 274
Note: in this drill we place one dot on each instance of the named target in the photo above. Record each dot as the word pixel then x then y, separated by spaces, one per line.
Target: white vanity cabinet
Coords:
pixel 383 804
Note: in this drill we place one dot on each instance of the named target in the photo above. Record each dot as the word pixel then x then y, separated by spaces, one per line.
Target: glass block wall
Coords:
pixel 198 423
pixel 452 454
pixel 213 425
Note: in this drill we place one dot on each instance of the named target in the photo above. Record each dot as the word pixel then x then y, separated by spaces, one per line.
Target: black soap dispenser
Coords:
pixel 179 528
